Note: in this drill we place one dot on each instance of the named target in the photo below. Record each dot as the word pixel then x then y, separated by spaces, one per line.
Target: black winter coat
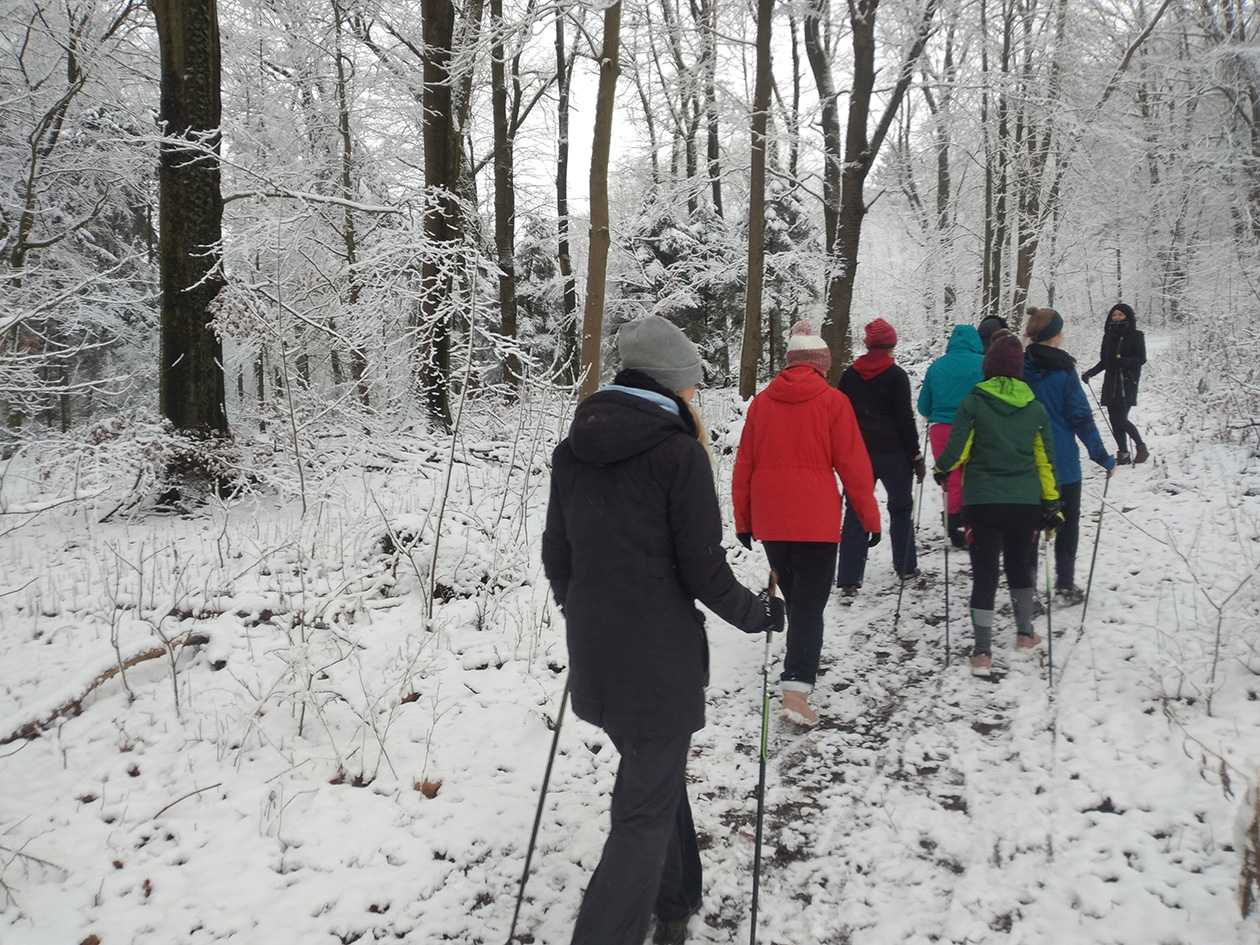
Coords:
pixel 633 539
pixel 1120 362
pixel 883 410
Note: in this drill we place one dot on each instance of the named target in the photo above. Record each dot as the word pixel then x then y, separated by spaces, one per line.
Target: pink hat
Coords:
pixel 805 347
pixel 880 334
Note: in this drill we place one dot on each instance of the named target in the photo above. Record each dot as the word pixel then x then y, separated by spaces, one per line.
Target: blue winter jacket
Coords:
pixel 951 377
pixel 1051 373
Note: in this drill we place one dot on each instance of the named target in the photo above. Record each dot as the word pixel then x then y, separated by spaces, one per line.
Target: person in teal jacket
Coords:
pixel 948 380
pixel 1009 494
pixel 1051 373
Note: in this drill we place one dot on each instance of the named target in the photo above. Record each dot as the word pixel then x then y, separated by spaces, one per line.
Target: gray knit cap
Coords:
pixel 659 349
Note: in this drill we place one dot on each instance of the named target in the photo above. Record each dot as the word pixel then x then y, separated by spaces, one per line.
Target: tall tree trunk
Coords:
pixel 860 151
pixel 191 384
pixel 569 349
pixel 504 195
pixel 708 17
pixel 441 219
pixel 750 355
pixel 600 237
pixel 349 232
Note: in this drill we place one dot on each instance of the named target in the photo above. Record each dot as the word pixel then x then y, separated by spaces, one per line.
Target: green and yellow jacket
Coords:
pixel 1004 436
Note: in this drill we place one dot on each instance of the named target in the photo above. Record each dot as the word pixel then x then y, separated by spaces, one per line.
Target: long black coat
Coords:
pixel 633 539
pixel 1120 362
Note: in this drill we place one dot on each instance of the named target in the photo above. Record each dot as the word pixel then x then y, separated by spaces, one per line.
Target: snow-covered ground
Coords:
pixel 342 761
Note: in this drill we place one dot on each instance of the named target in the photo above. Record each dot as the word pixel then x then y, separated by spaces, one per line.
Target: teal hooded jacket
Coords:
pixel 951 377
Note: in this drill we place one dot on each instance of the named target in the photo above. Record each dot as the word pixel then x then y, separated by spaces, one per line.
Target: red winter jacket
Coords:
pixel 801 431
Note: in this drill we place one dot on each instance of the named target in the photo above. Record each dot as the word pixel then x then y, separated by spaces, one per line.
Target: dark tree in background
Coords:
pixel 190 215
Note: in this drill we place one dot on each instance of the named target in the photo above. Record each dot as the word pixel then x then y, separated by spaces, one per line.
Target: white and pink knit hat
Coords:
pixel 805 347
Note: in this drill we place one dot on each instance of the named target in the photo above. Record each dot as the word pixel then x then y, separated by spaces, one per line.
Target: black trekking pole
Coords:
pixel 761 777
pixel 1049 621
pixel 1098 404
pixel 533 836
pixel 1093 558
pixel 914 533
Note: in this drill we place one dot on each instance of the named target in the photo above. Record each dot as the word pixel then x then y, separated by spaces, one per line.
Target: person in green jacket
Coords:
pixel 1003 435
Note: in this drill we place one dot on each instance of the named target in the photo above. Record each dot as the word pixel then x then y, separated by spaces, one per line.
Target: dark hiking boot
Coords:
pixel 1123 458
pixel 1068 596
pixel 672 932
pixel 848 590
pixel 909 575
pixel 957 531
pixel 1142 454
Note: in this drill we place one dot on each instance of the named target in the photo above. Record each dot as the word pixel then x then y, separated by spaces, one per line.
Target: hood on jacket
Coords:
pixel 1129 323
pixel 964 339
pixel 797 383
pixel 1010 393
pixel 612 425
pixel 1040 360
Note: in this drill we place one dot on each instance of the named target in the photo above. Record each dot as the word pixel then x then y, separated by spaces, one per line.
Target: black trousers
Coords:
pixel 1122 426
pixel 651 860
pixel 805 570
pixel 1066 540
pixel 1002 536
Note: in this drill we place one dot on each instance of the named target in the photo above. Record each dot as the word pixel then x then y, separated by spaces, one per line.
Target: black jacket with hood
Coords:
pixel 1120 360
pixel 633 539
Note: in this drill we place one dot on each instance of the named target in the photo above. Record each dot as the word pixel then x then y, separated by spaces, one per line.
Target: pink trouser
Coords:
pixel 938 434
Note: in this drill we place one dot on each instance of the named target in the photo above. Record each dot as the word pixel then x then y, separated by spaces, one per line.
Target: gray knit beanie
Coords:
pixel 659 349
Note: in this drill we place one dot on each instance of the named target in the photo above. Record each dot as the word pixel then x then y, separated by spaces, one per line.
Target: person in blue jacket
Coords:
pixel 948 380
pixel 1051 373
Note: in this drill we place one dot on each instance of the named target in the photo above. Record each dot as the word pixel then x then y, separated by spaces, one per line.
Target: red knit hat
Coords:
pixel 1005 358
pixel 880 334
pixel 805 347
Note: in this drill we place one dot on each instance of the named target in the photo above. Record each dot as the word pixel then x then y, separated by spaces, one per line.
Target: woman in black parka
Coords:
pixel 633 539
pixel 1120 363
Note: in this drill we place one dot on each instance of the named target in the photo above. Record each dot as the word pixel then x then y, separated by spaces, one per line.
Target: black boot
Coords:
pixel 957 532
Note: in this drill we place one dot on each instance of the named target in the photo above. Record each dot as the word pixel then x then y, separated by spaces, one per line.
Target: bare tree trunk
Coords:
pixel 441 220
pixel 600 238
pixel 504 195
pixel 191 383
pixel 358 360
pixel 750 355
pixel 860 152
pixel 569 352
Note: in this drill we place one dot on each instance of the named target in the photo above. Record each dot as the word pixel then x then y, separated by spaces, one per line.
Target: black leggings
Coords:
pixel 1005 533
pixel 1122 426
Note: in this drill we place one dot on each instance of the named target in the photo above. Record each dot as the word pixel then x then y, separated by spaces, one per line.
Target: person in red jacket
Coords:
pixel 799 433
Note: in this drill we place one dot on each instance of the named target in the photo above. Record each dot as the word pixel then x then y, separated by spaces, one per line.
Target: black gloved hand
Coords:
pixel 872 539
pixel 776 614
pixel 920 468
pixel 1088 374
pixel 940 477
pixel 1051 519
pixel 745 539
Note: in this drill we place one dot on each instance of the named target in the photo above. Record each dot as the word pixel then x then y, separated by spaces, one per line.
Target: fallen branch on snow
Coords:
pixel 32 729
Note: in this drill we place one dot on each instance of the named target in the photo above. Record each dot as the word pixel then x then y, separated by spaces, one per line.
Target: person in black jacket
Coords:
pixel 988 325
pixel 633 539
pixel 880 393
pixel 1120 363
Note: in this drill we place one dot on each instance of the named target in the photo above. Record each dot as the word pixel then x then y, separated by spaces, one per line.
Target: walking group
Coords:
pixel 633 539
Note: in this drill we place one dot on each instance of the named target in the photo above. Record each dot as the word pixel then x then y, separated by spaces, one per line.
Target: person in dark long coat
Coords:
pixel 1120 362
pixel 633 539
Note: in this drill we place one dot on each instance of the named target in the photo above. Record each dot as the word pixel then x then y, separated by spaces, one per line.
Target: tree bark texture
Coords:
pixel 597 267
pixel 441 219
pixel 504 195
pixel 860 151
pixel 190 217
pixel 568 348
pixel 750 355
